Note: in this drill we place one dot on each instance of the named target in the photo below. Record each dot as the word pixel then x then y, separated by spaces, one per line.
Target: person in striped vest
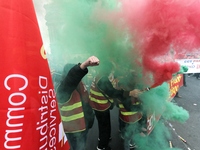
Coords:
pixel 129 122
pixel 101 97
pixel 73 99
pixel 129 115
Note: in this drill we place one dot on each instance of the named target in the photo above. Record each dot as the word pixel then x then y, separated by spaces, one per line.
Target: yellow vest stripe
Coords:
pixel 128 113
pixel 111 100
pixel 71 107
pixel 121 106
pixel 98 101
pixel 96 93
pixel 100 95
pixel 73 117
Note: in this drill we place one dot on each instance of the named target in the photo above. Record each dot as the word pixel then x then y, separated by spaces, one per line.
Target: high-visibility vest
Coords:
pixel 98 100
pixel 72 114
pixel 129 116
pixel 125 115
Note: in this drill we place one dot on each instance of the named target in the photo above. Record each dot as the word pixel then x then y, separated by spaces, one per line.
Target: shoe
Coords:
pixel 107 148
pixel 132 146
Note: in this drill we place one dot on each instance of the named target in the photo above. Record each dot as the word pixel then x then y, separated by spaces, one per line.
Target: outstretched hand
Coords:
pixel 91 61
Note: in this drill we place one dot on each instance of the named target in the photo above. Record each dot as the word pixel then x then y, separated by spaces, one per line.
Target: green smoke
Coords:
pixel 76 33
pixel 175 113
pixel 157 140
pixel 154 101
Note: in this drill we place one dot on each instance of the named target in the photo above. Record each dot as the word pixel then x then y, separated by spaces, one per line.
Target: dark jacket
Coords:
pixel 106 86
pixel 71 82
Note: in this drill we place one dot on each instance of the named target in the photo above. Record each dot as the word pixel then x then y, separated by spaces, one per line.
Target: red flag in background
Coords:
pixel 28 109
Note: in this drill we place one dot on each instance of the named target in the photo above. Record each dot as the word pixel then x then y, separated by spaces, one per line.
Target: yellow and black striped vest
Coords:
pixel 98 100
pixel 72 114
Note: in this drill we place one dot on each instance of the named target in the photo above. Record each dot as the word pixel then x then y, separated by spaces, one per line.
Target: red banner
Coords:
pixel 175 84
pixel 29 113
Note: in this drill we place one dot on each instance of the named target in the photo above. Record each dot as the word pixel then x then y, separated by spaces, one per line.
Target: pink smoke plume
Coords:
pixel 157 26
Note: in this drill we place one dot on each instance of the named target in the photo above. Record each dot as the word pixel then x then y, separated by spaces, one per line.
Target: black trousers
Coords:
pixel 103 119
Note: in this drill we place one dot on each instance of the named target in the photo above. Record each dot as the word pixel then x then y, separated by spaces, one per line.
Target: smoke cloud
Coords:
pixel 134 35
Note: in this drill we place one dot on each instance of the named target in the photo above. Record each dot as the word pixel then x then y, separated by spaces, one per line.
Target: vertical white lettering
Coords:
pixel 17 96
pixel 15 115
pixel 12 118
pixel 12 139
pixel 43 83
pixel 15 76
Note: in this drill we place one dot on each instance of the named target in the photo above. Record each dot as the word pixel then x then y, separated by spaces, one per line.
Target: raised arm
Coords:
pixel 74 76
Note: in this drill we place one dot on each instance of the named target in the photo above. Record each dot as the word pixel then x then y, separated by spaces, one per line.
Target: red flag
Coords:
pixel 28 108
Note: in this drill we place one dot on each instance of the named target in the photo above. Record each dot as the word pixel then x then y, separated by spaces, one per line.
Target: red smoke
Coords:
pixel 157 26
